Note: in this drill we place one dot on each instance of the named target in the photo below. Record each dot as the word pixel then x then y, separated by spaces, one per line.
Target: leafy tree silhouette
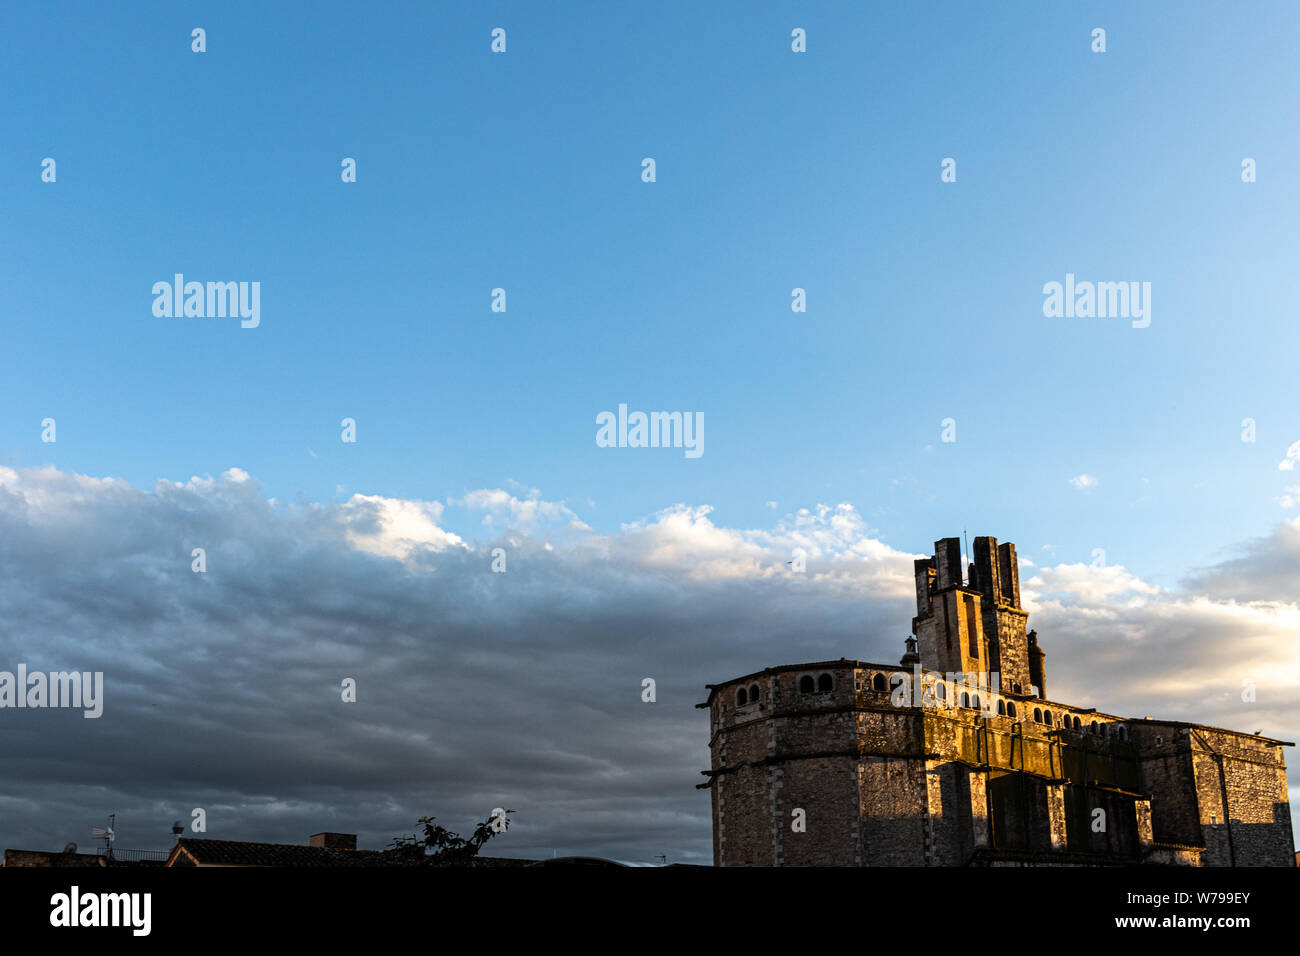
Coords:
pixel 441 847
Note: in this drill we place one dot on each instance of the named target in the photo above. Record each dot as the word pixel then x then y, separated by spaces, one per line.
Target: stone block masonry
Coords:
pixel 819 764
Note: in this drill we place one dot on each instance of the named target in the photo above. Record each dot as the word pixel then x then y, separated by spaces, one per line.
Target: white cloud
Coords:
pixel 1129 648
pixel 1292 456
pixel 1085 483
pixel 528 512
pixel 1083 584
pixel 394 527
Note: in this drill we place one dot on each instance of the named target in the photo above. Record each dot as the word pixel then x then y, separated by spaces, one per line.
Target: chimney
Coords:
pixel 333 841
pixel 177 830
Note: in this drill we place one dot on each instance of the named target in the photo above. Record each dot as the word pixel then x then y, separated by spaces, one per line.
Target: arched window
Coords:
pixel 1076 723
pixel 1011 708
pixel 741 699
pixel 941 691
pixel 1002 708
pixel 1015 688
pixel 825 683
pixel 1038 715
pixel 878 682
pixel 1092 727
pixel 975 701
pixel 965 699
pixel 806 685
pixel 896 682
pixel 753 694
pixel 1047 717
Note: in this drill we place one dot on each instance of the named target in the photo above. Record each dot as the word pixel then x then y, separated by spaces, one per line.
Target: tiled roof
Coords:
pixel 240 853
pixel 42 858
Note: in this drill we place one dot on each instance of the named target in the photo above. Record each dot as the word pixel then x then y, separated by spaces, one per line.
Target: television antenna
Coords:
pixel 106 834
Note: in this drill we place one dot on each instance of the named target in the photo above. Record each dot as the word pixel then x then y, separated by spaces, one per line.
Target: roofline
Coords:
pixel 177 850
pixel 50 853
pixel 1222 730
pixel 905 668
pixel 186 844
pixel 1093 711
pixel 781 668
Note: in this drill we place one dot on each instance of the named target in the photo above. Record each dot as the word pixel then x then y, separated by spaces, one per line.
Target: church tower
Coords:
pixel 975 624
pixel 949 622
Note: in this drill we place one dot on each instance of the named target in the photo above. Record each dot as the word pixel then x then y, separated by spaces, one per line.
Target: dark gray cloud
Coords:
pixel 1262 569
pixel 478 690
pixel 475 689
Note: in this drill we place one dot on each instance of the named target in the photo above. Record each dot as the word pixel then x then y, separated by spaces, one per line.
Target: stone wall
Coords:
pixel 882 781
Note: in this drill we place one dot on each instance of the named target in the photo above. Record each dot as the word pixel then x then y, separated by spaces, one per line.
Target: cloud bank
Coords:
pixel 520 689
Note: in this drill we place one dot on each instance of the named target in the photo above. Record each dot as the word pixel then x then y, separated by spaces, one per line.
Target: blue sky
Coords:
pixel 775 170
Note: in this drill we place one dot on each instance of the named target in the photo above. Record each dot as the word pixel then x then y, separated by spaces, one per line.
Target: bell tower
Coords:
pixel 975 624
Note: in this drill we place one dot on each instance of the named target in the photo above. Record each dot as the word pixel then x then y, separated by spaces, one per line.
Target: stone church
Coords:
pixel 957 756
